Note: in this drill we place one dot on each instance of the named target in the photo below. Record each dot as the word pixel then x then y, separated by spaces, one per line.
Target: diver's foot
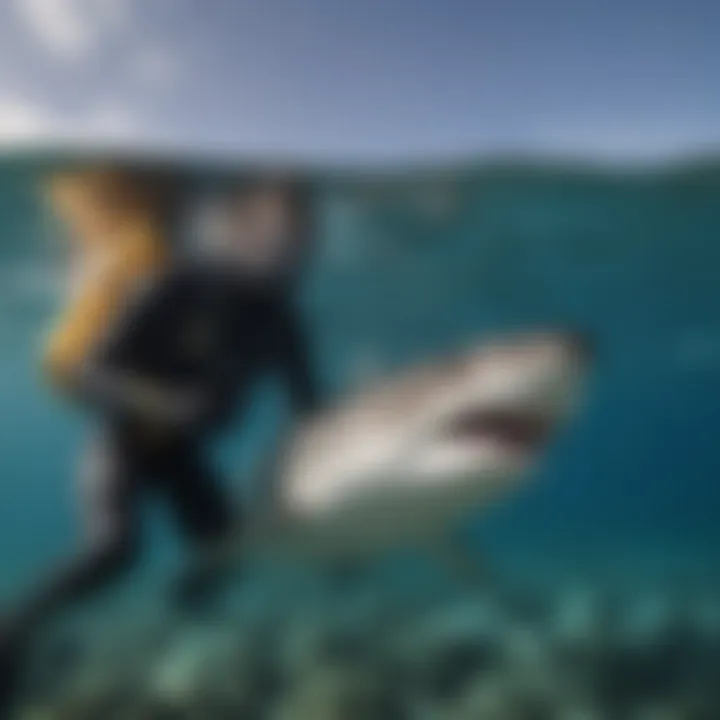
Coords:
pixel 13 656
pixel 10 672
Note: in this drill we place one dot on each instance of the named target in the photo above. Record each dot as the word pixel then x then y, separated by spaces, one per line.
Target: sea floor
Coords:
pixel 610 637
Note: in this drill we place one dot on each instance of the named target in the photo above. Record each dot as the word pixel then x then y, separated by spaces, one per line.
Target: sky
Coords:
pixel 367 79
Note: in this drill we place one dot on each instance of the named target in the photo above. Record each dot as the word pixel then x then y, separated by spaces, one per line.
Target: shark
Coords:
pixel 408 457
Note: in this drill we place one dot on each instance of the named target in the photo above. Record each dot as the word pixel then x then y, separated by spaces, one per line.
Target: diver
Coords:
pixel 165 378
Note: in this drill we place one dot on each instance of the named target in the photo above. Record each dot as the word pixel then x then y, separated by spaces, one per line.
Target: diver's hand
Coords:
pixel 174 409
pixel 266 476
pixel 183 409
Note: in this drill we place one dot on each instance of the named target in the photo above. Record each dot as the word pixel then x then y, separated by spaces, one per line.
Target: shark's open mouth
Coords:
pixel 521 431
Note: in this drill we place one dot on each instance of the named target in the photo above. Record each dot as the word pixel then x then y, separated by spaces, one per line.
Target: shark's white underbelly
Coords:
pixel 385 512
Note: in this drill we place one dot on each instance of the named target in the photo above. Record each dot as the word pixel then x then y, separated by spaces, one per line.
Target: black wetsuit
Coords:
pixel 199 329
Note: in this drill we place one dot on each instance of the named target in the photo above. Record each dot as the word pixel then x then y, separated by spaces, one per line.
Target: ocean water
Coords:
pixel 625 504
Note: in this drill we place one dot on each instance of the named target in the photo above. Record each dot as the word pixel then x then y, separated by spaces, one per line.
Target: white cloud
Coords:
pixel 71 29
pixel 20 120
pixel 106 121
pixel 58 24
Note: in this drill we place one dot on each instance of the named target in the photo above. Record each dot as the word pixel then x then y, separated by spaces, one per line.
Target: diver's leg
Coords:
pixel 108 499
pixel 201 504
pixel 108 496
pixel 207 520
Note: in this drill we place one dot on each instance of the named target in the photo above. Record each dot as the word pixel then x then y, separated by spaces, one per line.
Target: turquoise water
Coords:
pixel 415 264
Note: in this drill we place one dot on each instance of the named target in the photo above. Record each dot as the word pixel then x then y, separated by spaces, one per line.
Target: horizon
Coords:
pixel 49 151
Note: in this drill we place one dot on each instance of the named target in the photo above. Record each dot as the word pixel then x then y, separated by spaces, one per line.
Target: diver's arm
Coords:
pixel 123 394
pixel 106 380
pixel 295 360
